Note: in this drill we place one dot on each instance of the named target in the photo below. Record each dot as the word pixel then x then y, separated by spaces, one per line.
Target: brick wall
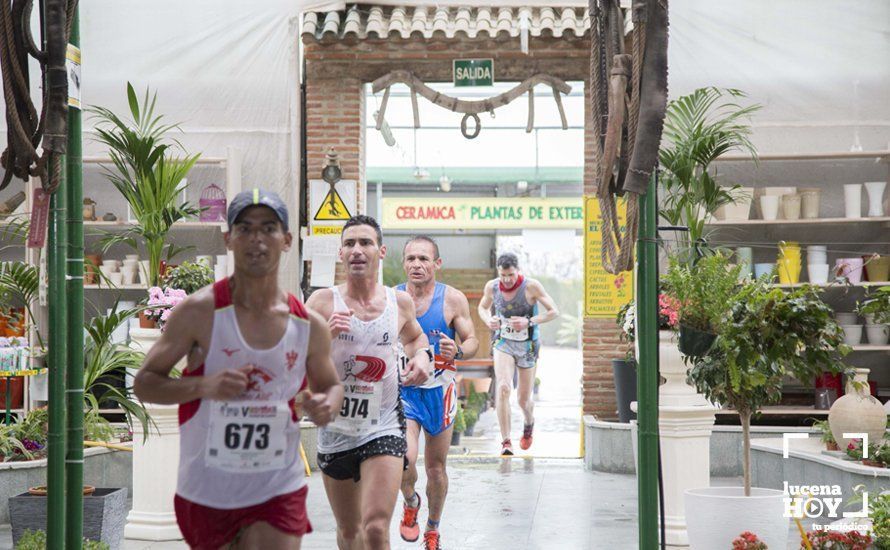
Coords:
pixel 335 116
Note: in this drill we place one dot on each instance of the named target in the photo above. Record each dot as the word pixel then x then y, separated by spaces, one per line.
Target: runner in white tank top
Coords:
pixel 362 453
pixel 252 349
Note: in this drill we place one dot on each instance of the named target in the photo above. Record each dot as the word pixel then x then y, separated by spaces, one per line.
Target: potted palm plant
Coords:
pixel 148 175
pixel 768 334
pixel 698 128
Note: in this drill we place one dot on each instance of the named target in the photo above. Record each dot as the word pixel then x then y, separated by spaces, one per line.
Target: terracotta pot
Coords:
pixel 832 446
pixel 146 322
pixel 40 490
pixel 872 463
pixel 16 392
pixel 857 412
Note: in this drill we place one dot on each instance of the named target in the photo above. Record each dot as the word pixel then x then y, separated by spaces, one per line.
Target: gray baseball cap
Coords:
pixel 257 197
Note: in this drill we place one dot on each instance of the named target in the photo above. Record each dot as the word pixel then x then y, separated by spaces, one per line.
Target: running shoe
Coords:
pixel 526 440
pixel 431 541
pixel 409 529
pixel 506 447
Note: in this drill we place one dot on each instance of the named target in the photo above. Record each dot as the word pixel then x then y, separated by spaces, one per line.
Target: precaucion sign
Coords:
pixel 604 293
pixel 483 213
pixel 330 205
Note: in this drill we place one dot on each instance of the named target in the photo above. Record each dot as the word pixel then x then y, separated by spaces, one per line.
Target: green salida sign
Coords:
pixel 473 72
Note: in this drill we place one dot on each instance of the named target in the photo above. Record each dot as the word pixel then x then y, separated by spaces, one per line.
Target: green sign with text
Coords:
pixel 473 72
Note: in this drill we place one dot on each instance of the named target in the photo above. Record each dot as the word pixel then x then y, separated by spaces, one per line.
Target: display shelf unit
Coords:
pixel 826 171
pixel 231 164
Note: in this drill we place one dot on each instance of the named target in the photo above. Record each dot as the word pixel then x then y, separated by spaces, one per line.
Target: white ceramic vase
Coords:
pixel 853 200
pixel 857 412
pixel 875 190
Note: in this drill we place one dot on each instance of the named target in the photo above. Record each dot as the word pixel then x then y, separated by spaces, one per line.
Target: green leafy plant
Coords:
pixel 879 508
pixel 698 128
pixel 105 361
pixel 460 423
pixel 10 445
pixel 36 540
pixel 767 334
pixel 19 283
pixel 825 434
pixel 149 177
pixel 877 304
pixel 702 290
pixel 189 277
pixel 471 416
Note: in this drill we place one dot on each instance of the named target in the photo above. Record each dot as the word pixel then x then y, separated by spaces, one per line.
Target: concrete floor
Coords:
pixel 541 500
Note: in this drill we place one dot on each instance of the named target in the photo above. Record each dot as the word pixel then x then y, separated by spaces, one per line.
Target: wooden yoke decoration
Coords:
pixel 470 109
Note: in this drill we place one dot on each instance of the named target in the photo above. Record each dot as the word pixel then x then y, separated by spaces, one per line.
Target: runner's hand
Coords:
pixel 494 323
pixel 416 371
pixel 226 384
pixel 318 409
pixel 339 322
pixel 447 347
pixel 519 323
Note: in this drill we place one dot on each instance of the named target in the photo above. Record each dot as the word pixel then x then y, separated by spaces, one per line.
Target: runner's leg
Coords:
pixel 504 365
pixel 435 455
pixel 263 535
pixel 344 497
pixel 524 393
pixel 409 476
pixel 381 476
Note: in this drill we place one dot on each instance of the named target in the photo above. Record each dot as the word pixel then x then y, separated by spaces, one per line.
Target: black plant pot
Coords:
pixel 470 429
pixel 694 342
pixel 455 438
pixel 625 374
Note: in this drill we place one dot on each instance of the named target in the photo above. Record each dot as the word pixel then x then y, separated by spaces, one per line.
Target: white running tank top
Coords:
pixel 367 363
pixel 279 375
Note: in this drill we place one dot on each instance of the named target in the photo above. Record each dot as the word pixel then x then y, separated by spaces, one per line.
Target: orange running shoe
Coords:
pixel 409 529
pixel 526 440
pixel 506 447
pixel 431 540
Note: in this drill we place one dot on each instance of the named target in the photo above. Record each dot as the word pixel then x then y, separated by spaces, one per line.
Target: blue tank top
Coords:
pixel 433 324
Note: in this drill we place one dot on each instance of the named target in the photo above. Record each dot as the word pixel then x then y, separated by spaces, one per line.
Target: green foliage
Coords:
pixel 460 422
pixel 34 426
pixel 876 303
pixel 471 416
pixel 147 175
pixel 393 272
pixel 19 284
pixel 769 333
pixel 698 128
pixel 824 431
pixel 476 400
pixel 36 540
pixel 702 290
pixel 10 444
pixel 189 277
pixel 880 516
pixel 105 360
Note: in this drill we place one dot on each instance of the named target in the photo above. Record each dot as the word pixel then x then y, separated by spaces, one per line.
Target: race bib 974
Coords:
pixel 360 410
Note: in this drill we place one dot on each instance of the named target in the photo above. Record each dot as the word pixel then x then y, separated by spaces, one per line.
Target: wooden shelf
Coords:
pixel 779 410
pixel 178 225
pixel 838 155
pixel 811 221
pixel 868 347
pixel 122 287
pixel 833 285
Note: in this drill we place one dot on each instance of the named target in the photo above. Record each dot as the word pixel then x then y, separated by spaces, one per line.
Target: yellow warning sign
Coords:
pixel 332 208
pixel 327 229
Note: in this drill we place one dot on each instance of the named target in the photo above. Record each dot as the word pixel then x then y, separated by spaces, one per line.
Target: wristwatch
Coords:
pixel 531 324
pixel 459 355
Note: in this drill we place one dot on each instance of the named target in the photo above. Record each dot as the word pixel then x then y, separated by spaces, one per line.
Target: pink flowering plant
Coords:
pixel 161 303
pixel 748 541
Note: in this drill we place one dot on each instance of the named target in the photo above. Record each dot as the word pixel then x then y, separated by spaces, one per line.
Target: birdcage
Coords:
pixel 213 204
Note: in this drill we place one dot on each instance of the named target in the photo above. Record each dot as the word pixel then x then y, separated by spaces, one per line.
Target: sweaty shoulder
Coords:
pixel 321 301
pixel 453 295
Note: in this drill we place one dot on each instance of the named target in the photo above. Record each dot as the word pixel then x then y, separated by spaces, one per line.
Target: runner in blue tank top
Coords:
pixel 442 311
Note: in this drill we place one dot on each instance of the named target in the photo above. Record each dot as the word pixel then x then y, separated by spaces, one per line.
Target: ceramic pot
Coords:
pixel 877 334
pixel 875 190
pixel 853 200
pixel 878 268
pixel 809 203
pixel 857 412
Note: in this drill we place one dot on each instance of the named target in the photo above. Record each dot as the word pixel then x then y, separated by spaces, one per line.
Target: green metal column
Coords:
pixel 56 246
pixel 647 381
pixel 74 454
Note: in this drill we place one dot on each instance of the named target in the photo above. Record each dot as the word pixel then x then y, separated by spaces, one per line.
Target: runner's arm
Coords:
pixel 541 297
pixel 153 383
pixel 485 303
pixel 324 384
pixel 463 325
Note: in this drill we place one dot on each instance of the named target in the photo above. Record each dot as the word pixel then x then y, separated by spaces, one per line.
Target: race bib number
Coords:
pixel 247 436
pixel 508 333
pixel 360 411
